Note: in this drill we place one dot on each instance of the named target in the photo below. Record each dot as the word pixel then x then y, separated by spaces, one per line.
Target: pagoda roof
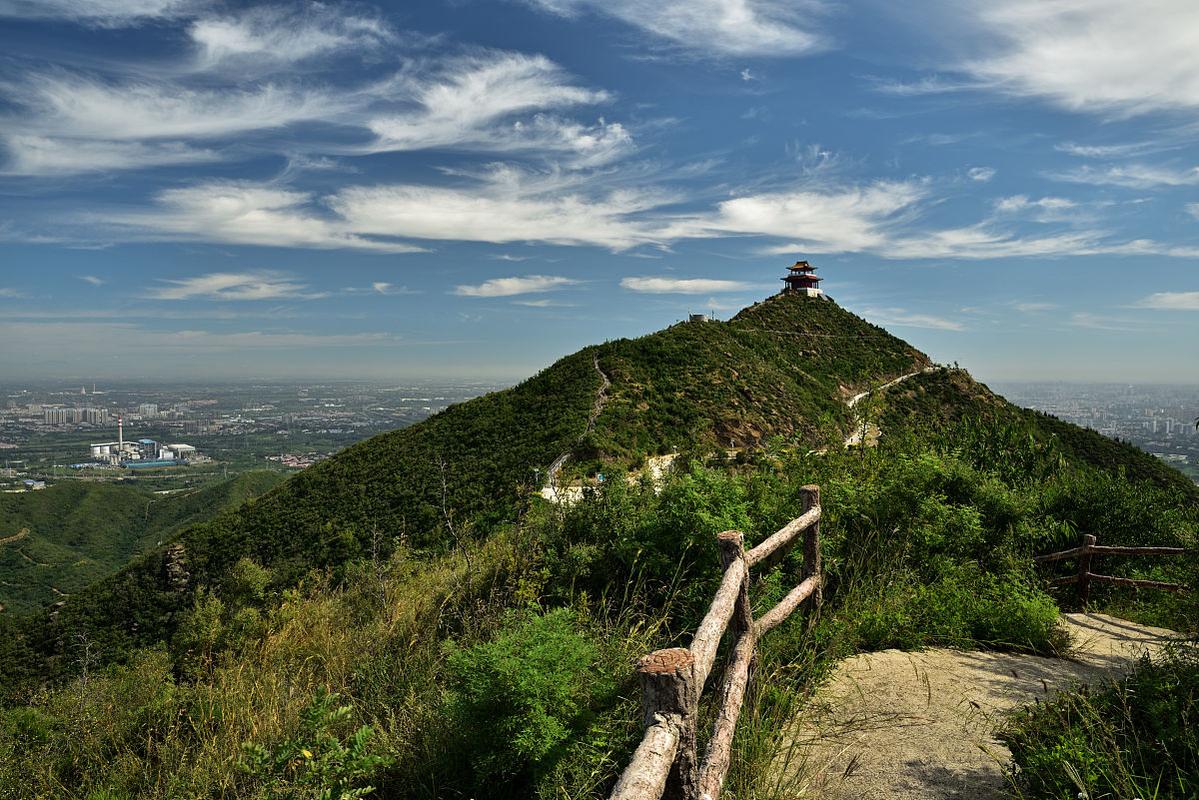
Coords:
pixel 805 277
pixel 801 266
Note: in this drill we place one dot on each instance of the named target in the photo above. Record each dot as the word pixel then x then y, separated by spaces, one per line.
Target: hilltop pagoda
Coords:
pixel 802 279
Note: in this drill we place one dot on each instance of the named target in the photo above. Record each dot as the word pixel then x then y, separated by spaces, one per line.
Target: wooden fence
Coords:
pixel 665 764
pixel 1085 551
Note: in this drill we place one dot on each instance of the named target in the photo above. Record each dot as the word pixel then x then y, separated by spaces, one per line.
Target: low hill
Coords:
pixel 781 368
pixel 56 541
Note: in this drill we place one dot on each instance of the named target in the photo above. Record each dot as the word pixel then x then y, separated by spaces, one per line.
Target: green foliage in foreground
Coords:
pixel 1136 738
pixel 80 532
pixel 502 670
pixel 318 762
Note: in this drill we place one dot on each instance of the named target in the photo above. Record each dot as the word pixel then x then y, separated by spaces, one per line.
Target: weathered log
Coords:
pixel 732 548
pixel 1074 551
pixel 646 775
pixel 783 538
pixel 670 689
pixel 1064 581
pixel 786 607
pixel 811 550
pixel 1084 570
pixel 720 746
pixel 1119 550
pixel 1173 587
pixel 711 629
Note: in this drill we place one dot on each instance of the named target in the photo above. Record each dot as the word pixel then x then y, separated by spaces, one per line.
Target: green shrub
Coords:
pixel 1136 738
pixel 318 762
pixel 517 698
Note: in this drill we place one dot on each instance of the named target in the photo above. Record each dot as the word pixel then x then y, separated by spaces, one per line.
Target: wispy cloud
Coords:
pixel 652 285
pixel 904 318
pixel 1132 176
pixel 92 279
pixel 509 287
pixel 763 28
pixel 244 213
pixel 981 174
pixel 474 103
pixel 1171 301
pixel 109 13
pixel 1034 307
pixel 1106 151
pixel 9 293
pixel 234 286
pixel 284 34
pixel 1105 56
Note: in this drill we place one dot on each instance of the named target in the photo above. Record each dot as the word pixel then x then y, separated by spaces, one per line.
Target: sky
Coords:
pixel 475 188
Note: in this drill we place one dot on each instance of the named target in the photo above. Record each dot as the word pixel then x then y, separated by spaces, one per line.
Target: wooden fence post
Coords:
pixel 1084 569
pixel 669 689
pixel 811 551
pixel 732 548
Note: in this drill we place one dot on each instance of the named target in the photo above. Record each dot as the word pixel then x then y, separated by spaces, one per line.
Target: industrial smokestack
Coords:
pixel 120 434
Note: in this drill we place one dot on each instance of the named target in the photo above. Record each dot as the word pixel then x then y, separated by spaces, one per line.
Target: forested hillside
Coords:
pixel 479 639
pixel 56 541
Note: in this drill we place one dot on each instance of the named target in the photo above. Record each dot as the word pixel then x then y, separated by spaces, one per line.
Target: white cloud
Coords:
pixel 980 174
pixel 542 303
pixel 1171 301
pixel 819 220
pixel 1103 151
pixel 244 213
pixel 113 13
pixel 770 28
pixel 506 206
pixel 41 155
pixel 1106 56
pixel 69 105
pixel 650 285
pixel 92 279
pixel 904 318
pixel 472 103
pixel 1034 308
pixel 7 292
pixel 1019 202
pixel 1132 176
pixel 98 337
pixel 508 287
pixel 1099 322
pixel 234 286
pixel 283 34
pixel 1193 209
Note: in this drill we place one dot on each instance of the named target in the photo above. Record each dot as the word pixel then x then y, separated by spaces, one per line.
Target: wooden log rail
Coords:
pixel 1083 577
pixel 665 764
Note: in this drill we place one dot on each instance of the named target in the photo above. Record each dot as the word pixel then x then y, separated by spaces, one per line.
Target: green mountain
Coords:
pixel 483 635
pixel 56 541
pixel 783 367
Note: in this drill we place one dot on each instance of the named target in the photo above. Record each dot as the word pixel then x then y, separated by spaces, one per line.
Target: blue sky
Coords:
pixel 474 188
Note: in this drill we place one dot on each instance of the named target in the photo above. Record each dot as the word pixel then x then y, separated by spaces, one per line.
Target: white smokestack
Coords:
pixel 120 434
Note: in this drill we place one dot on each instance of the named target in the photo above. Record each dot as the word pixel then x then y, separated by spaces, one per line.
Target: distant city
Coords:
pixel 108 432
pixel 1159 419
pixel 101 432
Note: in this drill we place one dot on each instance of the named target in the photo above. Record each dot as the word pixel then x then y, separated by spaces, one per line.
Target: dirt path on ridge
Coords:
pixel 895 724
pixel 867 432
pixel 597 408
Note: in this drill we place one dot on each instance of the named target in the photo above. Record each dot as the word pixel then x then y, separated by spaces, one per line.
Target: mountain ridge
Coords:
pixel 781 369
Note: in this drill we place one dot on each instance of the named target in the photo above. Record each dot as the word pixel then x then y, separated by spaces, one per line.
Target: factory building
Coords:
pixel 143 452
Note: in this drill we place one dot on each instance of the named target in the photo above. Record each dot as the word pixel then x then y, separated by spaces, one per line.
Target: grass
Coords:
pixel 1138 737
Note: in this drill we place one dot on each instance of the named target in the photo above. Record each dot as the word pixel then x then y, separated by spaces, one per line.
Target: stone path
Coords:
pixel 895 724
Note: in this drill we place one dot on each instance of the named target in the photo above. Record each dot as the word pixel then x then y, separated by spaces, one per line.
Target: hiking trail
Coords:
pixel 908 725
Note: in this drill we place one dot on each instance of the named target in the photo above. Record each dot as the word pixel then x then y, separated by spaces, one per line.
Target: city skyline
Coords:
pixel 196 190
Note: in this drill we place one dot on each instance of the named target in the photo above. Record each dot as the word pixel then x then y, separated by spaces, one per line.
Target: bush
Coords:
pixel 318 762
pixel 517 698
pixel 1136 738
